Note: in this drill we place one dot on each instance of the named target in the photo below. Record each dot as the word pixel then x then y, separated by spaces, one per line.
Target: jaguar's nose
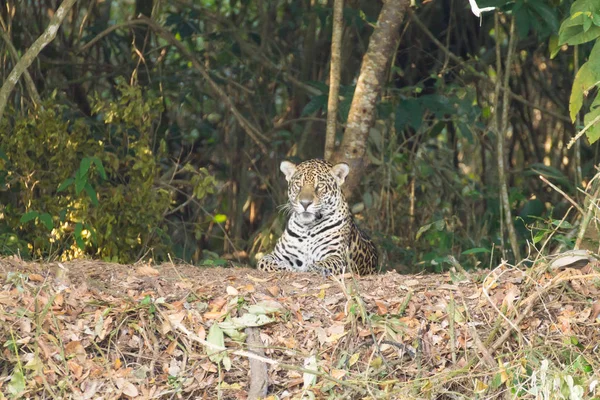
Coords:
pixel 305 203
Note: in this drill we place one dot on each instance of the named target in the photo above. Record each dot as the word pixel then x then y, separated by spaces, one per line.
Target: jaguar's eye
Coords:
pixel 320 186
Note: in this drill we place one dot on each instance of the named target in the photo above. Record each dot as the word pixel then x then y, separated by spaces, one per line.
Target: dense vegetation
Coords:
pixel 155 129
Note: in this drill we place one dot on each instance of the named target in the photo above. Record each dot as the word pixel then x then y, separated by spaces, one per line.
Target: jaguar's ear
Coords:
pixel 288 168
pixel 340 171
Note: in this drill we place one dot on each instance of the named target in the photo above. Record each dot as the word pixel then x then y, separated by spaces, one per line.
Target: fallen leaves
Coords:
pixel 146 331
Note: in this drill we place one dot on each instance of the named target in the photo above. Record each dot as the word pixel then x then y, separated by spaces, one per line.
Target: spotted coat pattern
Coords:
pixel 321 235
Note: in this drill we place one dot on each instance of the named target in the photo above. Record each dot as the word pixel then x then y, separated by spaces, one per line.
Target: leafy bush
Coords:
pixel 71 187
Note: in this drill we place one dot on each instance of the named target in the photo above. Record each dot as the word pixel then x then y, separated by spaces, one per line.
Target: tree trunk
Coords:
pixel 370 81
pixel 334 77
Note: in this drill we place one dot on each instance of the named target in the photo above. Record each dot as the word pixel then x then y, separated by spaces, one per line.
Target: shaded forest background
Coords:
pixel 120 145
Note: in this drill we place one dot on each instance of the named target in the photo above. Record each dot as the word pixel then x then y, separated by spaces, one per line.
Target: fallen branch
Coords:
pixel 259 378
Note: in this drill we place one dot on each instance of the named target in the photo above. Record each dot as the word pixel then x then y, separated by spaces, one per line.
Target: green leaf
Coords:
pixel 553 46
pixel 77 234
pixel 47 221
pixel 216 337
pixel 233 326
pixel 314 105
pixel 84 166
pixel 28 216
pixel 220 218
pixel 17 382
pixel 538 237
pixel 572 29
pixel 587 77
pixel 98 163
pixel 593 133
pixel 465 131
pixel 561 224
pixel 91 193
pixel 422 230
pixel 496 381
pixel 66 183
pixel 409 113
pixel 80 182
pixel 587 23
pixel 582 365
pixel 523 20
pixel 546 13
pixel 475 250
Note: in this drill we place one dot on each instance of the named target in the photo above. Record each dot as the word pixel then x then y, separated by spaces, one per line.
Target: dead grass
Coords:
pixel 87 329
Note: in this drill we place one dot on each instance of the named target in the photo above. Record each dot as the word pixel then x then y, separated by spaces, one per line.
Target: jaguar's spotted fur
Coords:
pixel 321 235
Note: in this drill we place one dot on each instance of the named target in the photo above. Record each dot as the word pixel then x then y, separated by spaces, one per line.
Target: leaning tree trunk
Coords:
pixel 370 81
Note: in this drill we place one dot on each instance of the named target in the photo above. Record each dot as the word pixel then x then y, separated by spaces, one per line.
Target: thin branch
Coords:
pixel 30 55
pixel 107 31
pixel 33 93
pixel 501 133
pixel 334 77
pixel 566 196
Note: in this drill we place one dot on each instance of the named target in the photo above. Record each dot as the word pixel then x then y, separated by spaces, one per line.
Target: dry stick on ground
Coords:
pixel 501 133
pixel 259 377
pixel 334 76
pixel 370 81
pixel 482 76
pixel 250 355
pixel 31 53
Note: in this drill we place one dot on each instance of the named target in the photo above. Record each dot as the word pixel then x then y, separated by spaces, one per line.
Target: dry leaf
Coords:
pixel 74 347
pixel 214 314
pixel 171 348
pixel 146 270
pixel 36 278
pixel 126 387
pixel 75 368
pixel 338 373
pixel 232 291
pixel 273 290
pixel 382 309
pixel 595 310
pixel 254 279
pixel 248 288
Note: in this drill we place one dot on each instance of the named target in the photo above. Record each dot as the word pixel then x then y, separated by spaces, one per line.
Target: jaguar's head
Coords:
pixel 314 188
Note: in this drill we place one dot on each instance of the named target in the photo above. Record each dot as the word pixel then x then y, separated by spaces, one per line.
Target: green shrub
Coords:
pixel 74 186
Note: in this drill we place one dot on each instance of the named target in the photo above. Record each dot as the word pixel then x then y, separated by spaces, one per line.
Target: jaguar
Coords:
pixel 321 234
